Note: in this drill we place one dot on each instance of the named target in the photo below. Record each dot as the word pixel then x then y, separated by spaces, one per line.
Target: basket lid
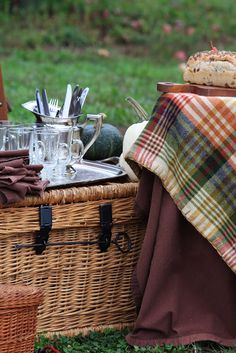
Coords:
pixel 14 295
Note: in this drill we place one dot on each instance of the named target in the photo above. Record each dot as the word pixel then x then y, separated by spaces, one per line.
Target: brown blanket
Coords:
pixel 183 290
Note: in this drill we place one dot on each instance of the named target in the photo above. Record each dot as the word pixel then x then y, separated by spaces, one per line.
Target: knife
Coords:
pixel 77 109
pixel 80 92
pixel 73 100
pixel 45 102
pixel 83 96
pixel 39 102
pixel 66 106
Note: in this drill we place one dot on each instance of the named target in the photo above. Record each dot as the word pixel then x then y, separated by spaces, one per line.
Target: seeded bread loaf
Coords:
pixel 212 68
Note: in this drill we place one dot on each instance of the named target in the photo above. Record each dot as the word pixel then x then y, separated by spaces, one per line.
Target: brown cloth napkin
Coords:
pixel 17 178
pixel 6 156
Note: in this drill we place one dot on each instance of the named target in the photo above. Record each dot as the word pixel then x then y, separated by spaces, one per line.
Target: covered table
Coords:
pixel 184 283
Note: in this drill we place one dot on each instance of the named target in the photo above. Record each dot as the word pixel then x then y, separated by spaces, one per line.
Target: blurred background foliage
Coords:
pixel 116 47
pixel 164 29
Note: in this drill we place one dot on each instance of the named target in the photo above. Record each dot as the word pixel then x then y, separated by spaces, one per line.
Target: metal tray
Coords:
pixel 88 172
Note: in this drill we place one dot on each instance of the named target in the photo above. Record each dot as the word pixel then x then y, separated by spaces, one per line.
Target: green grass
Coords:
pixel 113 341
pixel 110 80
pixel 78 23
pixel 58 45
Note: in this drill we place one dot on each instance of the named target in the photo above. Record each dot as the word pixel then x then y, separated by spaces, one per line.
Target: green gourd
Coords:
pixel 108 143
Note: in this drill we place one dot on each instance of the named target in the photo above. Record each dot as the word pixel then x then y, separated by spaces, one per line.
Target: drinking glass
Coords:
pixel 3 132
pixel 44 150
pixel 64 149
pixel 7 124
pixel 18 137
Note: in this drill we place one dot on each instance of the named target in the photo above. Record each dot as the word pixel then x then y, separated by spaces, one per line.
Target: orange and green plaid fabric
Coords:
pixel 190 143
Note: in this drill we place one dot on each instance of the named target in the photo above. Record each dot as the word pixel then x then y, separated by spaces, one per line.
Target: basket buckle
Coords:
pixel 105 211
pixel 45 218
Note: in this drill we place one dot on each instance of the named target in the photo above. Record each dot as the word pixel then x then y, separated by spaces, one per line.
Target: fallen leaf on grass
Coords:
pixel 104 52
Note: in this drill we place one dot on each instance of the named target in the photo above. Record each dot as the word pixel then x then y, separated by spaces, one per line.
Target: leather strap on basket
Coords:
pixel 105 211
pixel 121 240
pixel 45 219
pixel 106 231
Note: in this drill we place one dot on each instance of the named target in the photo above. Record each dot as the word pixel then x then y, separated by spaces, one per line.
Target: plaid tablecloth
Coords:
pixel 190 143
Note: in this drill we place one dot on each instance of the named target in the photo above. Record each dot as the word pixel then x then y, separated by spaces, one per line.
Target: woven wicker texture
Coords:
pixel 18 315
pixel 83 288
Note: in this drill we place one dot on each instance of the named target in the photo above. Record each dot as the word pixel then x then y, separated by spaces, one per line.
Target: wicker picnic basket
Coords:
pixel 86 287
pixel 18 316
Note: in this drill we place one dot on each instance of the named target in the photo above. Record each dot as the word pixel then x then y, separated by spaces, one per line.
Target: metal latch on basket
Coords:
pixel 45 219
pixel 105 211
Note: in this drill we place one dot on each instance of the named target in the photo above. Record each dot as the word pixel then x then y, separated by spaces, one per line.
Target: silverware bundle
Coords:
pixel 72 106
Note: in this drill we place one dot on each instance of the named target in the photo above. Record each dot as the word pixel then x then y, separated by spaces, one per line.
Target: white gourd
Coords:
pixel 131 135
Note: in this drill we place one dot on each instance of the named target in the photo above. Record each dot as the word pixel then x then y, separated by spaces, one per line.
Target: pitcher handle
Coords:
pixel 77 146
pixel 98 120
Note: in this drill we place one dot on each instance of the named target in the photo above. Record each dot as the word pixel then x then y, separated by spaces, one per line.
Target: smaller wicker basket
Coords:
pixel 18 316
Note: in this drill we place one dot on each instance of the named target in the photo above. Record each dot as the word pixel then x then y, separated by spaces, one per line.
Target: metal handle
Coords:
pixel 77 146
pixel 98 119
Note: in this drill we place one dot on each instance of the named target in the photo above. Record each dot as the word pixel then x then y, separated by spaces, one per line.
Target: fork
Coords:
pixel 53 107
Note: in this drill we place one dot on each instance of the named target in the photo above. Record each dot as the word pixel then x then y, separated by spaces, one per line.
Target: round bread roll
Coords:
pixel 212 68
